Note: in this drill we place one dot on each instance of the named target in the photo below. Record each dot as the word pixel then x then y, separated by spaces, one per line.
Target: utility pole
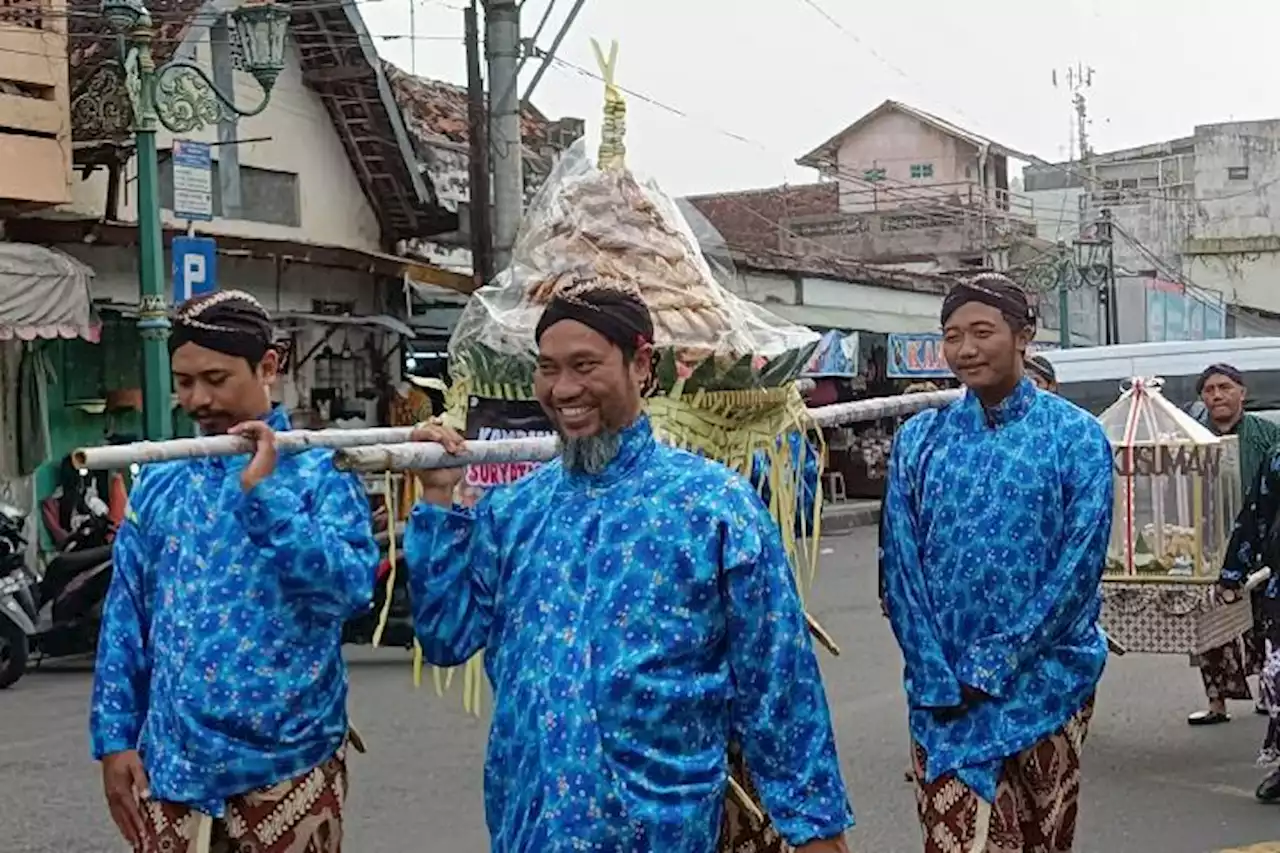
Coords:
pixel 1079 79
pixel 1064 301
pixel 478 119
pixel 224 75
pixel 1107 234
pixel 502 45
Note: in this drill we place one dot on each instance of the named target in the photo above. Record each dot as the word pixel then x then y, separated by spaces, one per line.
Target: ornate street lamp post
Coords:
pixel 180 96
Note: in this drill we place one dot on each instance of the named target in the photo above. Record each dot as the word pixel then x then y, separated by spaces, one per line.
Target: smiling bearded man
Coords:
pixel 637 612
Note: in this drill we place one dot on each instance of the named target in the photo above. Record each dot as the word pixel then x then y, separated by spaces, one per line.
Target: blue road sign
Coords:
pixel 195 267
pixel 192 180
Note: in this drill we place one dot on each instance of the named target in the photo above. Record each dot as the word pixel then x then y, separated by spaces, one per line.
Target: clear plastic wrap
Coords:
pixel 1177 489
pixel 588 223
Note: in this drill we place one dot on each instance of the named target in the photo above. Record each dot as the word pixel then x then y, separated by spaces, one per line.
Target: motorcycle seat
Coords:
pixel 66 566
pixel 74 561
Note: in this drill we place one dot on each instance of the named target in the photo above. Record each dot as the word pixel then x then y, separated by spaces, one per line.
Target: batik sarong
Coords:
pixel 301 815
pixel 741 831
pixel 1035 803
pixel 1269 683
pixel 1225 670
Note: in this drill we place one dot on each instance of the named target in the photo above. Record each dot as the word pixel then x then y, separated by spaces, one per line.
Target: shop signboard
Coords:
pixel 916 356
pixel 919 356
pixel 1176 313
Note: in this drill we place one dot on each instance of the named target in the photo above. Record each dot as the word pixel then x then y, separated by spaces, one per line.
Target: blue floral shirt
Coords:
pixel 994 538
pixel 220 655
pixel 633 622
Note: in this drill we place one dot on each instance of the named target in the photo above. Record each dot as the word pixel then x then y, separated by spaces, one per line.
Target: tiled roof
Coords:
pixel 753 225
pixel 99 107
pixel 338 63
pixel 749 221
pixel 436 111
pixel 92 41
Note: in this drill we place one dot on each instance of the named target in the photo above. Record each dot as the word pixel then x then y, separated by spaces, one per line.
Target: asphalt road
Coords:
pixel 1151 782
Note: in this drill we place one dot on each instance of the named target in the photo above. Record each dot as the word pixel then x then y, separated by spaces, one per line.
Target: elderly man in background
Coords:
pixel 1226 670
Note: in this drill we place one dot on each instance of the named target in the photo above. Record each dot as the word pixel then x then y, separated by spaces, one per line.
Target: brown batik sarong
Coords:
pixel 741 832
pixel 1226 669
pixel 302 815
pixel 1035 805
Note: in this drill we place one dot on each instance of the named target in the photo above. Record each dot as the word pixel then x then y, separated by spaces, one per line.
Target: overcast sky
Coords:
pixel 782 77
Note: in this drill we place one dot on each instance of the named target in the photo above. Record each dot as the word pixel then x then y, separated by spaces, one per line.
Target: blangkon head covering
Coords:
pixel 1042 367
pixel 1219 369
pixel 615 311
pixel 995 290
pixel 231 322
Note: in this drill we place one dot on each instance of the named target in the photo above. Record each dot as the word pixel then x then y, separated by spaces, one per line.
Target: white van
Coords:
pixel 1091 377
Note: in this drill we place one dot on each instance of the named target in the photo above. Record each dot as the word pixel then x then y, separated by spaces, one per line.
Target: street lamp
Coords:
pixel 180 96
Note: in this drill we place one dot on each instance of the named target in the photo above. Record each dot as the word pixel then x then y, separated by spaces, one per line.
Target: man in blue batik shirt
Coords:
pixel 996 519
pixel 637 613
pixel 219 699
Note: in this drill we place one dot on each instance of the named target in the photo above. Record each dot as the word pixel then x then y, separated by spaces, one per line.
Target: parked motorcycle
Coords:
pixel 17 603
pixel 57 614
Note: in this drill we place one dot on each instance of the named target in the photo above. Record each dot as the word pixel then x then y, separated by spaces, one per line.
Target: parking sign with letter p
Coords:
pixel 195 267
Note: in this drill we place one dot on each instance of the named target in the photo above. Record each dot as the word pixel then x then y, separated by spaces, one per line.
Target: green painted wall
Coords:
pixel 85 372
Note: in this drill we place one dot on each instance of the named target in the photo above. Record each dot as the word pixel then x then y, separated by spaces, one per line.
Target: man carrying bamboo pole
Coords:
pixel 997 515
pixel 219 702
pixel 637 613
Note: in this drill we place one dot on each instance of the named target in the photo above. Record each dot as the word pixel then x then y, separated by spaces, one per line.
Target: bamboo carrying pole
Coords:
pixel 388 448
pixel 143 452
pixel 423 456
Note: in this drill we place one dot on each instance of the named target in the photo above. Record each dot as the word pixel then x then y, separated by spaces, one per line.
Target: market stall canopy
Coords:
pixel 44 293
pixel 377 321
pixel 832 358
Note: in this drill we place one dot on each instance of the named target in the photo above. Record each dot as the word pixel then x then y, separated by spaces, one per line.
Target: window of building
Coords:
pixel 1237 173
pixel 266 195
pixel 873 175
pixel 921 170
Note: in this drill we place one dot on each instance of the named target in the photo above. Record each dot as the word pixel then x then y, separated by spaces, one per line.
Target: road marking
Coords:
pixel 1207 788
pixel 1264 847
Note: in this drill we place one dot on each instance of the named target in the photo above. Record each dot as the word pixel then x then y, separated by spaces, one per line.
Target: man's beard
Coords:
pixel 590 454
